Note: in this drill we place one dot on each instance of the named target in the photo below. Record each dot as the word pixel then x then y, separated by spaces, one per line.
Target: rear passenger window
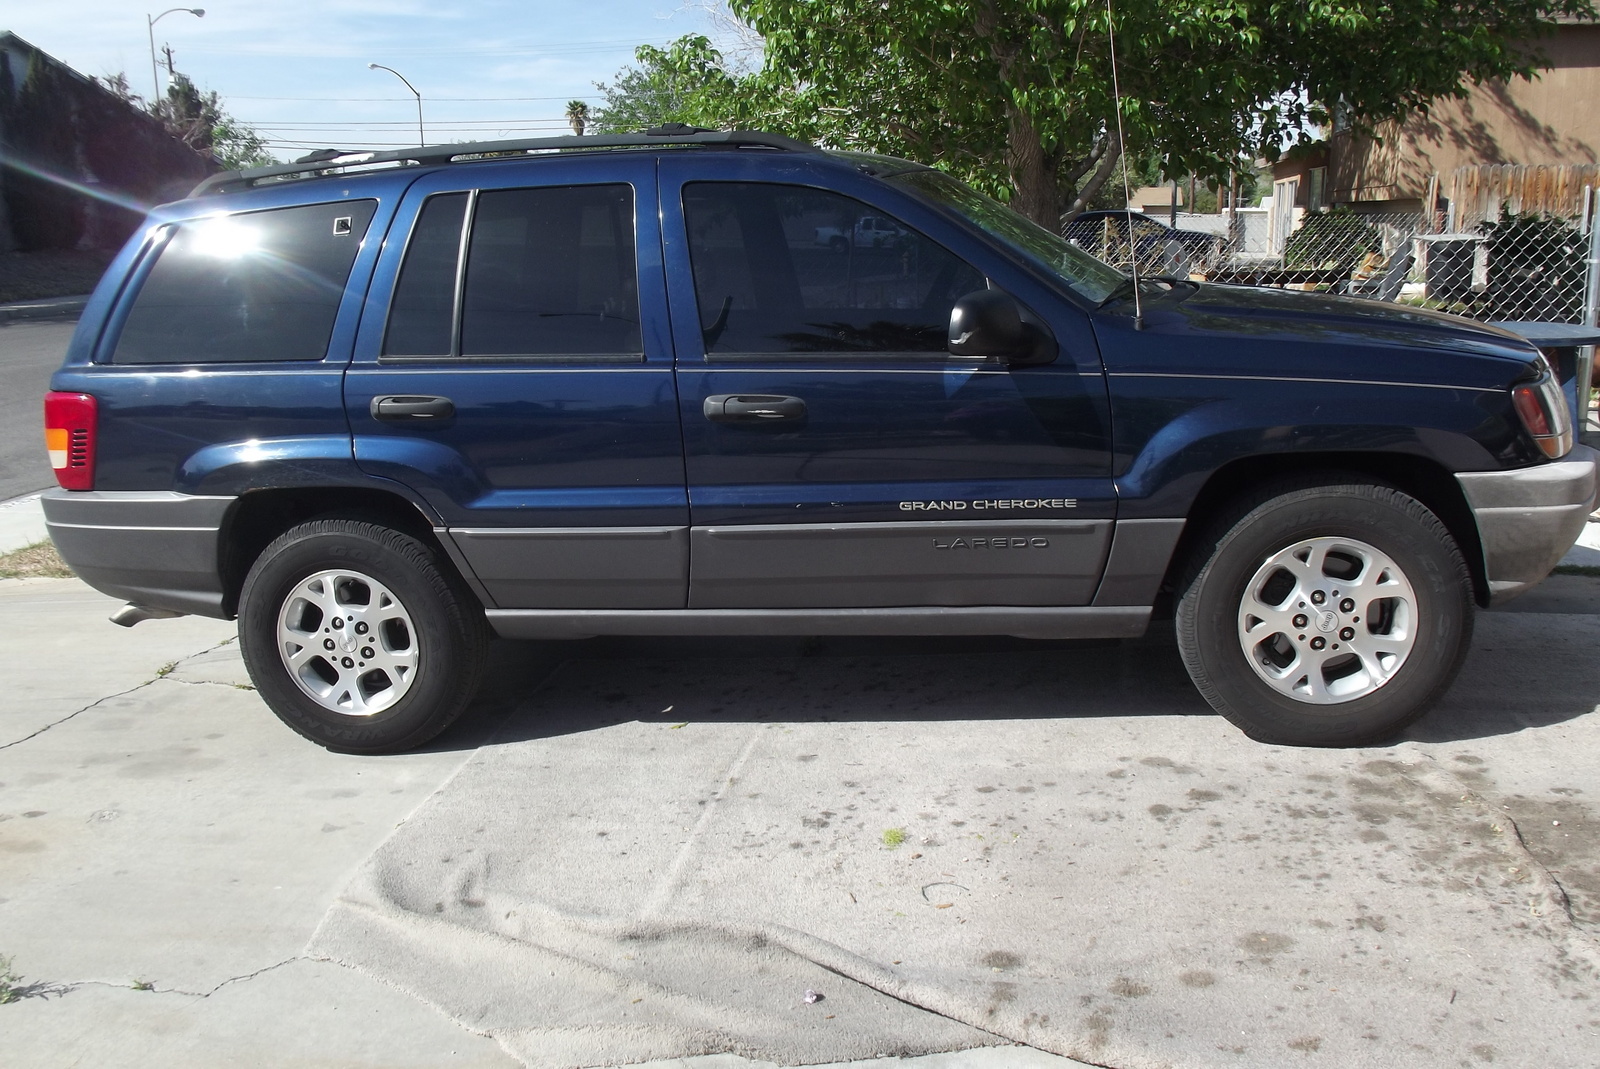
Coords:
pixel 788 269
pixel 550 272
pixel 423 312
pixel 255 286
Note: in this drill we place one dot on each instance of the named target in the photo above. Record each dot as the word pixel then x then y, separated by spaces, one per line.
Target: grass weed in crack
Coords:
pixel 38 561
pixel 11 986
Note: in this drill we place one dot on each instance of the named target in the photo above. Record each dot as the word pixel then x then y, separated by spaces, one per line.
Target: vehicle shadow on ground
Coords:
pixel 535 690
pixel 542 690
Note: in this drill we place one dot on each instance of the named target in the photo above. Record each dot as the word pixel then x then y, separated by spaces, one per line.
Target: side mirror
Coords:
pixel 990 323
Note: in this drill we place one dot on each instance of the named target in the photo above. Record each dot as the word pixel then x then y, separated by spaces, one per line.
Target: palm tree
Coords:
pixel 577 116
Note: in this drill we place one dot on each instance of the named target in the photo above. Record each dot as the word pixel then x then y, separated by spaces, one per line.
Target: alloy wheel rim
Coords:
pixel 1328 620
pixel 348 642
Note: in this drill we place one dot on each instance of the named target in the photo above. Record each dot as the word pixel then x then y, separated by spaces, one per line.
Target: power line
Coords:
pixel 578 49
pixel 407 100
pixel 368 123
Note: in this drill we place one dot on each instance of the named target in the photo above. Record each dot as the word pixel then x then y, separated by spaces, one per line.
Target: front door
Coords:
pixel 837 455
pixel 515 372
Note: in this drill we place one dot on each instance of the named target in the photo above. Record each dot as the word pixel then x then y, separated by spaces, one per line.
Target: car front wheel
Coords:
pixel 357 637
pixel 1327 615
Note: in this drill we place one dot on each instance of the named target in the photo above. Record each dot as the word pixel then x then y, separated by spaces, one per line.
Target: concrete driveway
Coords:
pixel 636 850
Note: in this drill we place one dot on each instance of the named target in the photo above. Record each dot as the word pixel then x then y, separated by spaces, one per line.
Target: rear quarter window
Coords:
pixel 254 286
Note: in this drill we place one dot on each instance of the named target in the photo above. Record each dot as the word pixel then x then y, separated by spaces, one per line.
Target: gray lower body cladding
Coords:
pixel 1529 518
pixel 154 549
pixel 1024 622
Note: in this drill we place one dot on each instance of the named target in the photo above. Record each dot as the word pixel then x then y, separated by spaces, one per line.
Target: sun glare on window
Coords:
pixel 224 239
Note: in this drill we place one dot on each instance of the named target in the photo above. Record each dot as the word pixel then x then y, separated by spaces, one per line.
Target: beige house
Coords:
pixel 1530 144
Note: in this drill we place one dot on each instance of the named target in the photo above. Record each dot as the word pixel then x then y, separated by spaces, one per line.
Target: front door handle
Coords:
pixel 411 408
pixel 752 408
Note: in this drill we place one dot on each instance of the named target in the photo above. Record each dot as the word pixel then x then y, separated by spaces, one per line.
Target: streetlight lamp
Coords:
pixel 150 24
pixel 422 138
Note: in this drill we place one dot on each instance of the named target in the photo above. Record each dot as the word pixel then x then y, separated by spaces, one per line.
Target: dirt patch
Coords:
pixel 1560 833
pixel 29 276
pixel 38 561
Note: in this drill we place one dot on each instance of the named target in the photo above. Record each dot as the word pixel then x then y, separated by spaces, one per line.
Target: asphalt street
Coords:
pixel 30 350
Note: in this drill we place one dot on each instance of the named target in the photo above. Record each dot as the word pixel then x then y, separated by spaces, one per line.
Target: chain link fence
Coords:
pixel 1522 267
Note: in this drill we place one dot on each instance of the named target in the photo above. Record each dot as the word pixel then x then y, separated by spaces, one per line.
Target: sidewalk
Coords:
pixel 21 522
pixel 45 308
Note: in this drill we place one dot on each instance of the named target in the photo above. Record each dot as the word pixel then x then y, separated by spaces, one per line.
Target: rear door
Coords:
pixel 837 455
pixel 514 370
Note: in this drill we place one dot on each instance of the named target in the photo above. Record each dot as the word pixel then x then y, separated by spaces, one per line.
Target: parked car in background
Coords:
pixel 1162 249
pixel 380 407
pixel 868 232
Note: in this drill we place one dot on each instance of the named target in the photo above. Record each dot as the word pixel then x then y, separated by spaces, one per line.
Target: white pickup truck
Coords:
pixel 870 232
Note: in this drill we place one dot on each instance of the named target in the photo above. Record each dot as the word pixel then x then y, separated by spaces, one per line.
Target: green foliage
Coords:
pixel 1535 268
pixel 10 982
pixel 200 121
pixel 1017 94
pixel 893 838
pixel 1337 238
pixel 685 82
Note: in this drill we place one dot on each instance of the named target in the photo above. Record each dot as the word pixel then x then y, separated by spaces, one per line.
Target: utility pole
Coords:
pixel 166 50
pixel 150 26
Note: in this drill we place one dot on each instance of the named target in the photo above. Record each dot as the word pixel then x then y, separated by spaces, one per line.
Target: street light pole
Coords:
pixel 422 138
pixel 150 24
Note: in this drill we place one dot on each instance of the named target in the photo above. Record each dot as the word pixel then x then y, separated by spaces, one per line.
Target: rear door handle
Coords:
pixel 411 408
pixel 752 408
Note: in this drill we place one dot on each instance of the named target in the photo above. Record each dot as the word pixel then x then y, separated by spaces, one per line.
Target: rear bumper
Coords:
pixel 158 550
pixel 1529 518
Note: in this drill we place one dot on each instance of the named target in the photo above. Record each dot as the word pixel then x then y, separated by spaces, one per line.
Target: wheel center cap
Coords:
pixel 349 643
pixel 1327 620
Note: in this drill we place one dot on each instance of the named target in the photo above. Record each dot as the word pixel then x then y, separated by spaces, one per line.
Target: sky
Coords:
pixel 296 70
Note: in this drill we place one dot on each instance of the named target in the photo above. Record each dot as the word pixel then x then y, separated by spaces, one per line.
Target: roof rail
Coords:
pixel 331 162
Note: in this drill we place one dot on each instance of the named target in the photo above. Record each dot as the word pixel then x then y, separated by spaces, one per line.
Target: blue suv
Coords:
pixel 381 407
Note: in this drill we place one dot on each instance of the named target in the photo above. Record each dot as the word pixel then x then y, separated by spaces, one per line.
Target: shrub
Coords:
pixel 1335 238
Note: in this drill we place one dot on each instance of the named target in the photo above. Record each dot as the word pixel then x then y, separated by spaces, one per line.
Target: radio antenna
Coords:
pixel 1127 193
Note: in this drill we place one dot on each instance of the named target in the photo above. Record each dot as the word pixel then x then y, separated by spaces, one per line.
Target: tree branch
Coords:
pixel 1102 173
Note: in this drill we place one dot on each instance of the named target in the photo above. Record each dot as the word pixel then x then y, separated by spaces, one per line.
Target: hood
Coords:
pixel 1255 331
pixel 1253 309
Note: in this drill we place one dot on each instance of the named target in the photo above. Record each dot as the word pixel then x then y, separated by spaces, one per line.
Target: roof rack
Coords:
pixel 328 163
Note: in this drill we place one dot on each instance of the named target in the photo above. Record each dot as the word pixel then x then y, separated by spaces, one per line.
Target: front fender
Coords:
pixel 1172 433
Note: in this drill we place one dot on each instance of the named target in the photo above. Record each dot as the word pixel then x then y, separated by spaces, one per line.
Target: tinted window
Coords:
pixel 784 269
pixel 551 272
pixel 253 286
pixel 421 316
pixel 1081 271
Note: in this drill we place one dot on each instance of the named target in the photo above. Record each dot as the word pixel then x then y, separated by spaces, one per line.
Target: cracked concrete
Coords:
pixel 167 848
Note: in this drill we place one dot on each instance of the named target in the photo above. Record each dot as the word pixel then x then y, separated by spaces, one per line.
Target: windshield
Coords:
pixel 1085 274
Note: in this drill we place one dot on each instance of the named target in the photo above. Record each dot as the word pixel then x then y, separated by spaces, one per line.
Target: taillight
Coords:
pixel 1543 411
pixel 69 433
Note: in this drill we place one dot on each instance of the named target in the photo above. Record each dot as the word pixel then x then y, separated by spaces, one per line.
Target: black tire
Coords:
pixel 1271 692
pixel 427 650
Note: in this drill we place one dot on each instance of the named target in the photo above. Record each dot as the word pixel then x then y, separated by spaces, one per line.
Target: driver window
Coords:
pixel 788 269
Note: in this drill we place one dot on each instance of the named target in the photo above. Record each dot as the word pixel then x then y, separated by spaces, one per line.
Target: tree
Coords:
pixel 577 116
pixel 1017 95
pixel 198 120
pixel 685 82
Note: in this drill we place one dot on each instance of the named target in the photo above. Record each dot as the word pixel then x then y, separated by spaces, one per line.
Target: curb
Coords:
pixel 22 522
pixel 52 308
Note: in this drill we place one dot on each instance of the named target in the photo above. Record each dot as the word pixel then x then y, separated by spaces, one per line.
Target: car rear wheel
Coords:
pixel 357 637
pixel 1327 615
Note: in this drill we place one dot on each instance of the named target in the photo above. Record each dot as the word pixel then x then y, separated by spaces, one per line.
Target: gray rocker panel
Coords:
pixel 942 563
